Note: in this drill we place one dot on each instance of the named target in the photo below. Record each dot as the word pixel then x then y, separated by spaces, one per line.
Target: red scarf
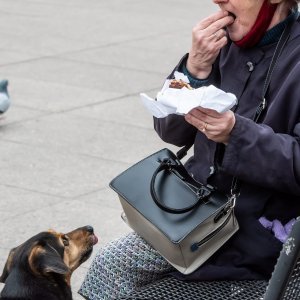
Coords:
pixel 261 25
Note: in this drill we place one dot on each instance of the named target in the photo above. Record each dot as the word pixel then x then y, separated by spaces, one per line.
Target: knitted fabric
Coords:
pixel 121 267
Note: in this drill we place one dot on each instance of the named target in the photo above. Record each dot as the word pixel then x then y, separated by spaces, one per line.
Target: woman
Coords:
pixel 264 156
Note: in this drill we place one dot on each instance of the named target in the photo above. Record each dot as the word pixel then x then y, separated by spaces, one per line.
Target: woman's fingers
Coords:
pixel 212 19
pixel 218 35
pixel 206 114
pixel 214 125
pixel 208 38
pixel 211 25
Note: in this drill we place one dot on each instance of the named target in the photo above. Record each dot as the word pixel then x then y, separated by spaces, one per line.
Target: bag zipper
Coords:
pixel 196 246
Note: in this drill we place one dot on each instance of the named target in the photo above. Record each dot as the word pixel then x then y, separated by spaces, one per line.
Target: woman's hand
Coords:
pixel 215 126
pixel 207 40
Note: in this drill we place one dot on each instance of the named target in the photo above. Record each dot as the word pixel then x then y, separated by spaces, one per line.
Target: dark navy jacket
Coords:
pixel 264 156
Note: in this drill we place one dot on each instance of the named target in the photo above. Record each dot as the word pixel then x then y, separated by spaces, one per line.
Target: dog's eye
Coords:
pixel 65 240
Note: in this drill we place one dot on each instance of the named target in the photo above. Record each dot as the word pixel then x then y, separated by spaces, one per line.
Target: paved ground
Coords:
pixel 75 69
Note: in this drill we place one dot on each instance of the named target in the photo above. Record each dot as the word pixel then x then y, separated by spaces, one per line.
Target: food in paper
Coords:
pixel 179 84
pixel 181 99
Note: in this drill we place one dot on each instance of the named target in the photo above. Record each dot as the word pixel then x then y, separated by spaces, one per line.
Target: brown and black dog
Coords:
pixel 41 268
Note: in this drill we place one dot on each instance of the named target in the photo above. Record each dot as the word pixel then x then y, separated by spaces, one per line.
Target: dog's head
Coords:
pixel 51 252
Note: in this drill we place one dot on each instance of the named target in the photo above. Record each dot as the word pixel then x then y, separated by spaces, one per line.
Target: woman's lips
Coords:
pixel 232 15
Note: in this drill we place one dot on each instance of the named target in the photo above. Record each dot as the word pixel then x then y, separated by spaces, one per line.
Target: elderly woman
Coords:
pixel 263 155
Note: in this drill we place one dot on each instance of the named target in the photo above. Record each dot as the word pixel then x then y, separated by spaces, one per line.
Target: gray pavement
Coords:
pixel 75 71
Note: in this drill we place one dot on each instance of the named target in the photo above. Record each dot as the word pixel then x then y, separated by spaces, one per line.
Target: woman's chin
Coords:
pixel 233 35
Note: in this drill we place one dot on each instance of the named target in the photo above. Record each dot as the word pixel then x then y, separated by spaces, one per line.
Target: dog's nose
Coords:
pixel 89 229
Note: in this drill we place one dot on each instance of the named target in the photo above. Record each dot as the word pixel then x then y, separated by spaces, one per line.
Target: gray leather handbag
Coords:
pixel 185 221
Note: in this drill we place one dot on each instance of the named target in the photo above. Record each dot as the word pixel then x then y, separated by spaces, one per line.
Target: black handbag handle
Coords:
pixel 201 192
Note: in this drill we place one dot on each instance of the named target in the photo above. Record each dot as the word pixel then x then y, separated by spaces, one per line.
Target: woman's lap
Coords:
pixel 121 267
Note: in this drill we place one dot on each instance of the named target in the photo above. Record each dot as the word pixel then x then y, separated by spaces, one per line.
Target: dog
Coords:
pixel 41 268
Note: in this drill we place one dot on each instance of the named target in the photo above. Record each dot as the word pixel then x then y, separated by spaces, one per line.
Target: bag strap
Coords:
pixel 278 50
pixel 183 151
pixel 236 184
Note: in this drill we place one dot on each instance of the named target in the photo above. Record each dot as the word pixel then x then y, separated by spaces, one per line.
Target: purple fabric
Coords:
pixel 280 231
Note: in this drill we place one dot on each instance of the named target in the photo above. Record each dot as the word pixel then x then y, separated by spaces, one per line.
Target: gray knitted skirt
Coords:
pixel 123 266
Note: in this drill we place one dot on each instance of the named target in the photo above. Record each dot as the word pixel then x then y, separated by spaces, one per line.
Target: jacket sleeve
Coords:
pixel 268 154
pixel 175 130
pixel 258 155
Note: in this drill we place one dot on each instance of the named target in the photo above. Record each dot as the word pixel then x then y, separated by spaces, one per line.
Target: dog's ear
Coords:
pixel 7 266
pixel 45 259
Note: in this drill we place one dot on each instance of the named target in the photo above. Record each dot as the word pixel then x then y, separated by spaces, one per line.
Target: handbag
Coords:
pixel 184 220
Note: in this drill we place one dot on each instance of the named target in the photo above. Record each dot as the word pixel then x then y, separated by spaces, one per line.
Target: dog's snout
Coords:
pixel 89 228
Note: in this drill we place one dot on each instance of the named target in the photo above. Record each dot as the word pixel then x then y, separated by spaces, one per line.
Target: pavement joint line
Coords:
pixel 67 6
pixel 112 99
pixel 24 120
pixel 35 191
pixel 23 213
pixel 7 12
pixel 111 66
pixel 76 198
pixel 29 119
pixel 103 159
pixel 123 42
pixel 60 152
pixel 30 108
pixel 49 113
pixel 108 100
pixel 89 193
pixel 57 55
pixel 51 205
pixel 137 39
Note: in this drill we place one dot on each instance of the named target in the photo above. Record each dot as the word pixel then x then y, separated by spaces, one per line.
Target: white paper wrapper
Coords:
pixel 181 101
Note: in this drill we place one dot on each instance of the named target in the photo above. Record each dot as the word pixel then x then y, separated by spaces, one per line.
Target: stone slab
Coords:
pixel 54 173
pixel 16 202
pixel 122 111
pixel 121 57
pixel 17 114
pixel 84 75
pixel 105 142
pixel 54 96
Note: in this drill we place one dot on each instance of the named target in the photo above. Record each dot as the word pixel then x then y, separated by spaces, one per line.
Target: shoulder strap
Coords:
pixel 183 151
pixel 278 50
pixel 236 184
